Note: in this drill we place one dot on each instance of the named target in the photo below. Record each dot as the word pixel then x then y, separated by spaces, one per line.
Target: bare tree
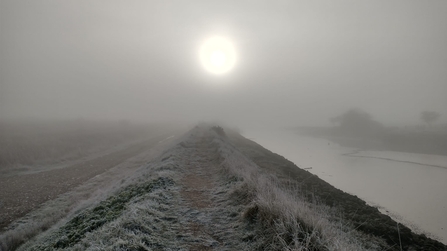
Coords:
pixel 429 116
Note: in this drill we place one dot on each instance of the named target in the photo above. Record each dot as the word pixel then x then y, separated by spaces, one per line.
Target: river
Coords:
pixel 411 188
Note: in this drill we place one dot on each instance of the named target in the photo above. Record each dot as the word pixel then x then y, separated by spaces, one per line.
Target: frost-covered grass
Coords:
pixel 49 213
pixel 46 217
pixel 94 190
pixel 284 219
pixel 154 219
pixel 92 219
pixel 246 208
pixel 108 210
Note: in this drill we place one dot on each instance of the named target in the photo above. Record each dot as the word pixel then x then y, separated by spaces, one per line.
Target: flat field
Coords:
pixel 41 160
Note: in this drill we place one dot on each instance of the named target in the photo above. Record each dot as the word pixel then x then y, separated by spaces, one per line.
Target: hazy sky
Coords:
pixel 299 62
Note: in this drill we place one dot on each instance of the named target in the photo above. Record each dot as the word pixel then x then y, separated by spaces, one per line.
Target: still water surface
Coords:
pixel 411 188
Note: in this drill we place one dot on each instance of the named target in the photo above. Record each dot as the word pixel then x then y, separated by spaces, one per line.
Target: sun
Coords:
pixel 217 55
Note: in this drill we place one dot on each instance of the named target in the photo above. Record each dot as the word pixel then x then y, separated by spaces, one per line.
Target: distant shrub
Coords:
pixel 219 130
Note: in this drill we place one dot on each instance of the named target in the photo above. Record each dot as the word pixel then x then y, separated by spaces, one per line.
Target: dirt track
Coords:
pixel 180 201
pixel 23 193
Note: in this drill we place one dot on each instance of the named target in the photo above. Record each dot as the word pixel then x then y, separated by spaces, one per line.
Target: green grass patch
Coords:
pixel 108 210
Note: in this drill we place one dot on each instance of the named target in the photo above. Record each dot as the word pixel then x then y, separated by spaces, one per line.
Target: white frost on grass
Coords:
pixel 246 209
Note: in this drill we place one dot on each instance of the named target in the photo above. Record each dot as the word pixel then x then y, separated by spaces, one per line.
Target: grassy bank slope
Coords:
pixel 351 209
pixel 218 191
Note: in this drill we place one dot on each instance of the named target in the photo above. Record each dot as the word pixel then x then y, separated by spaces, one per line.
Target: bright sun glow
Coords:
pixel 218 55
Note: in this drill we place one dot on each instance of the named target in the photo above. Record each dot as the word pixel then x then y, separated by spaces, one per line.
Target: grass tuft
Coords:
pixel 108 210
pixel 283 219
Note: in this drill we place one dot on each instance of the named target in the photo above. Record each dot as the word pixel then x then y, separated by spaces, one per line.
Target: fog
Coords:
pixel 298 62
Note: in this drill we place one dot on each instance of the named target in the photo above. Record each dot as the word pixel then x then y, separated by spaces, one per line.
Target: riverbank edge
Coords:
pixel 355 211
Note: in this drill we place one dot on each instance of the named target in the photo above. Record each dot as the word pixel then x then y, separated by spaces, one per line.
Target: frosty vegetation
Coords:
pixel 202 194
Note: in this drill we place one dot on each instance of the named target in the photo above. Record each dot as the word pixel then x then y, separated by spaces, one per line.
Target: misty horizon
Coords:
pixel 298 63
pixel 223 125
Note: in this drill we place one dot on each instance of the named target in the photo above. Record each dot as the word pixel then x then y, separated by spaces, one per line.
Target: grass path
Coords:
pixel 206 218
pixel 193 209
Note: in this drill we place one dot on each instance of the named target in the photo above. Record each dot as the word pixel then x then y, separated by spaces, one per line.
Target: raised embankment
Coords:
pixel 219 191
